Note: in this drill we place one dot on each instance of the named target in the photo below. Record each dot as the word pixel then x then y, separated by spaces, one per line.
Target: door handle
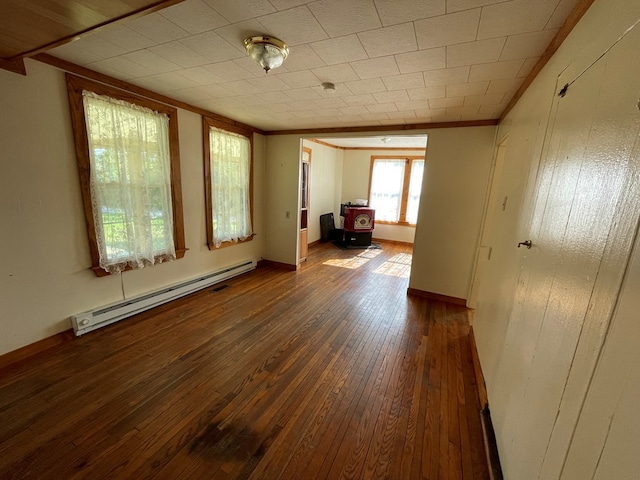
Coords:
pixel 526 244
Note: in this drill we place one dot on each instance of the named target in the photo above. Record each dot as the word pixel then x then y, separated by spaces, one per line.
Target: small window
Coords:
pixel 228 173
pixel 127 150
pixel 395 187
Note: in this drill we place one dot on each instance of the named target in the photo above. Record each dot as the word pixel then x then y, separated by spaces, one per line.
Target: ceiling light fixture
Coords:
pixel 268 52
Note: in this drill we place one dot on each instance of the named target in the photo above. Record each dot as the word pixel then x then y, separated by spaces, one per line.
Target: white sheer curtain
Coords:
pixel 130 182
pixel 415 188
pixel 387 180
pixel 230 180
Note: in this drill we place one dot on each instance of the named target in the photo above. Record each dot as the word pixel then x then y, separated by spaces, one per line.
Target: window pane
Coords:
pixel 130 182
pixel 387 181
pixel 415 188
pixel 230 162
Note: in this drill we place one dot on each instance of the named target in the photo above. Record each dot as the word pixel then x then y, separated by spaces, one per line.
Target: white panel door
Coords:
pixel 585 214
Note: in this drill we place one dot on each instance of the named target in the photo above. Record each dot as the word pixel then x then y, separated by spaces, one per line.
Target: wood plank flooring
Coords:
pixel 326 373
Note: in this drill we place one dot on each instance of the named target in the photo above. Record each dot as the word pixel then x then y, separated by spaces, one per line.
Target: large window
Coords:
pixel 394 189
pixel 228 178
pixel 127 150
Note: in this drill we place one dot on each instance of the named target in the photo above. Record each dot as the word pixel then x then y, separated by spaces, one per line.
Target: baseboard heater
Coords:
pixel 94 319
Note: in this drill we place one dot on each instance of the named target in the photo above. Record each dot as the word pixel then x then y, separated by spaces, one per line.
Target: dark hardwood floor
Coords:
pixel 329 372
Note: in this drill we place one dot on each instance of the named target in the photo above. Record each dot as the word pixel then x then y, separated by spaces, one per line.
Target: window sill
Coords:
pixel 400 224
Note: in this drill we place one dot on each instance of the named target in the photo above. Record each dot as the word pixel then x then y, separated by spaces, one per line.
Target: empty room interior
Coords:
pixel 320 239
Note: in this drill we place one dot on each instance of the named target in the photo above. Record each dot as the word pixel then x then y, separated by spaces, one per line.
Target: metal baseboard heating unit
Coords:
pixel 87 321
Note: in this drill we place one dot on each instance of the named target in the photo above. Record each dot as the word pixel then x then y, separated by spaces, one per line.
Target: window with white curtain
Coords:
pixel 394 191
pixel 228 172
pixel 128 175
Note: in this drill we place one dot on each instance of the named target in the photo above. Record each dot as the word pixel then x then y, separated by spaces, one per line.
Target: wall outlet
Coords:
pixel 287 214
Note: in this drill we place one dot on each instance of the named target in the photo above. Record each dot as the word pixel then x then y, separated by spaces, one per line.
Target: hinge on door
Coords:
pixel 563 91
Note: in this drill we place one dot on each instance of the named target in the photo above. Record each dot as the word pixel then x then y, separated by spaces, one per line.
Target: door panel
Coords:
pixel 584 216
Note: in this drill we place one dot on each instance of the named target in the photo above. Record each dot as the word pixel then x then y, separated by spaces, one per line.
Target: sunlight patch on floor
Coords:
pixel 354 262
pixel 397 266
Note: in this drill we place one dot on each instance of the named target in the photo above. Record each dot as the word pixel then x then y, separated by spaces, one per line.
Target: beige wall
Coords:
pixel 325 185
pixel 556 335
pixel 44 257
pixel 457 168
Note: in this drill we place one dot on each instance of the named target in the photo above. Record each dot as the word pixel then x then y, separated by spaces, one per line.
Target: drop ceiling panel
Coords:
pixel 392 61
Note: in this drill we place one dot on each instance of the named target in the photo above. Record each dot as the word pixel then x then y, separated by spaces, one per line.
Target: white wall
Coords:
pixel 457 168
pixel 561 406
pixel 355 184
pixel 44 255
pixel 325 186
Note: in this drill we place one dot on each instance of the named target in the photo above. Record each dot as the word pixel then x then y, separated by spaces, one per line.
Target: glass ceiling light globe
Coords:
pixel 268 52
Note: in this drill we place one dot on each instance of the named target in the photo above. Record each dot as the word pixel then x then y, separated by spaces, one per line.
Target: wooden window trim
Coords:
pixel 409 159
pixel 75 86
pixel 208 122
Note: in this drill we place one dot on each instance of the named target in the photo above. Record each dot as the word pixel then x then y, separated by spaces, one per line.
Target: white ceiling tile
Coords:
pixel 509 85
pixel 299 79
pixel 492 111
pixel 495 71
pixel 562 11
pixel 124 37
pixel 475 100
pixel 366 99
pixel 389 97
pixel 194 16
pixel 399 11
pixel 372 118
pixel 236 33
pixel 340 91
pixel 343 17
pixel 422 60
pixel 376 67
pixel 463 110
pixel 457 5
pixel 331 103
pixel 165 82
pixel 279 107
pixel 445 76
pixel 268 98
pixel 212 47
pixel 527 45
pixel 446 102
pixel 241 87
pixel 229 71
pixel 302 94
pixel 76 53
pixel 154 63
pixel 302 105
pixel 466 89
pixel 438 91
pixel 412 105
pixel 336 73
pixel 286 4
pixel 294 27
pixel 122 67
pixel 356 110
pixel 215 91
pixel 515 17
pixel 389 40
pixel 405 114
pixel 100 47
pixel 340 50
pixel 157 28
pixel 448 29
pixel 403 82
pixel 371 85
pixel 189 95
pixel 382 107
pixel 302 57
pixel 527 66
pixel 235 11
pixel 201 75
pixel 473 53
pixel 451 117
pixel 178 53
pixel 268 83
